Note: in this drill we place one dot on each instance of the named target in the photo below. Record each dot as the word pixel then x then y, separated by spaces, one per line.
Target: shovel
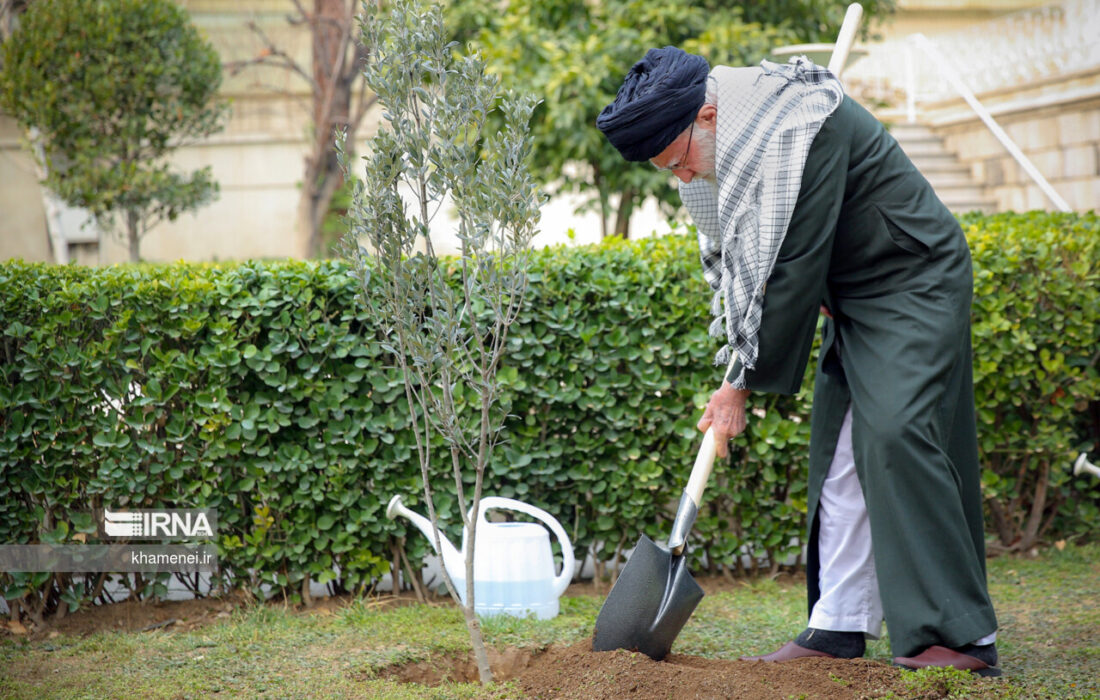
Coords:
pixel 655 593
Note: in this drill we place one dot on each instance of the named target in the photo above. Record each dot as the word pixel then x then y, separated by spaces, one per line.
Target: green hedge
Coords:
pixel 1036 327
pixel 260 390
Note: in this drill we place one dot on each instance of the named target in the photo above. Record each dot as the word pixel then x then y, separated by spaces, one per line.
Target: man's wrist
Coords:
pixel 740 395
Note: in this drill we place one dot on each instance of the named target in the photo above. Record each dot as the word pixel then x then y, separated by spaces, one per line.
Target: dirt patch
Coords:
pixel 506 665
pixel 172 615
pixel 131 616
pixel 564 673
pixel 578 672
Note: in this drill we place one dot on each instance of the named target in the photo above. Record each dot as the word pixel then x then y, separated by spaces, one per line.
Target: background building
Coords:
pixel 1035 69
pixel 1035 66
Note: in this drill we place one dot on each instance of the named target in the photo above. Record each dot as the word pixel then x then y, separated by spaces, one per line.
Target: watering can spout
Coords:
pixel 453 560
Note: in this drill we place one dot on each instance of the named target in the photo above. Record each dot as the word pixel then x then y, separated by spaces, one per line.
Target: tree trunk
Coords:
pixel 605 204
pixel 307 597
pixel 334 72
pixel 473 625
pixel 133 236
pixel 9 10
pixel 597 573
pixel 774 562
pixel 335 84
pixel 626 208
pixel 477 641
pixel 1006 533
pixel 1030 534
pixel 98 589
pixel 395 569
pixel 413 577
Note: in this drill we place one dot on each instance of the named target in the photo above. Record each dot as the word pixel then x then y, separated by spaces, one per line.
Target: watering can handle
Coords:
pixel 568 561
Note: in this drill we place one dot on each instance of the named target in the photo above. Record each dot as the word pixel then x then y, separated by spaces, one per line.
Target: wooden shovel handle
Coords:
pixel 704 461
pixel 697 482
pixel 704 464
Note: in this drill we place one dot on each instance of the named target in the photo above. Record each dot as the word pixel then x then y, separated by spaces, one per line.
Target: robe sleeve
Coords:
pixel 796 287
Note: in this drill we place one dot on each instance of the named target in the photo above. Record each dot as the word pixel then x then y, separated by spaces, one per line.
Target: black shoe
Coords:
pixel 842 645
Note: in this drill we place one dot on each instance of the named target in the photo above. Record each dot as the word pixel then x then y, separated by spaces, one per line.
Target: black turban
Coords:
pixel 659 98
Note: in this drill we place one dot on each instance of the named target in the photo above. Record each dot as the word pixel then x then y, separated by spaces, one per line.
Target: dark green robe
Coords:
pixel 869 238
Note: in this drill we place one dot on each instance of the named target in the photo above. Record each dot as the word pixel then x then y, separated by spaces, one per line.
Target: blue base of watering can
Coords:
pixel 515 598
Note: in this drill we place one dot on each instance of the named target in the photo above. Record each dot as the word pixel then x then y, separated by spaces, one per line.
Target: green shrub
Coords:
pixel 260 390
pixel 242 389
pixel 1036 327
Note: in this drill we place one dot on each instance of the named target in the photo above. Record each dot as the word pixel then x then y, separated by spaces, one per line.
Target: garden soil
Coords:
pixel 556 672
pixel 578 673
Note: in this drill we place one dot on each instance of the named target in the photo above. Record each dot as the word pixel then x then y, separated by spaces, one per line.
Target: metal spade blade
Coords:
pixel 649 604
pixel 655 594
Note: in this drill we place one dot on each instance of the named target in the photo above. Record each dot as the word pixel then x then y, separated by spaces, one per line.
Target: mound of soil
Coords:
pixel 578 672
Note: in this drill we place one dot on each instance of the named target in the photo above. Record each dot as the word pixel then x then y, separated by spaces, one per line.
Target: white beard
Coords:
pixel 705 141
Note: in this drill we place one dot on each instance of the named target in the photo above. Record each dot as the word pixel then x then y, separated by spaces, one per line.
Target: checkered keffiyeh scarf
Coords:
pixel 767 118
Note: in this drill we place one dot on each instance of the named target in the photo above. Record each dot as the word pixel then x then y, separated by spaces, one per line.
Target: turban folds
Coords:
pixel 659 98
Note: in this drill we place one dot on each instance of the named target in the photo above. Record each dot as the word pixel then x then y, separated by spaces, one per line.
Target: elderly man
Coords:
pixel 803 202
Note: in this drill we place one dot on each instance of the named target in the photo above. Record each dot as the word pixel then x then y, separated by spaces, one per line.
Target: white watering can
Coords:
pixel 513 565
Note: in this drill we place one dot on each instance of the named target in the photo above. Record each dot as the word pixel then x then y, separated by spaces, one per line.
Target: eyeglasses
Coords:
pixel 679 163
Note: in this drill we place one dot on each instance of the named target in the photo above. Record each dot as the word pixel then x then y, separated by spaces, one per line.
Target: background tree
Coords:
pixel 445 321
pixel 573 54
pixel 9 14
pixel 339 100
pixel 111 88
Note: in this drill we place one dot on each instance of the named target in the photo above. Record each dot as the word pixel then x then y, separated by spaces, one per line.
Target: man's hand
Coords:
pixel 726 414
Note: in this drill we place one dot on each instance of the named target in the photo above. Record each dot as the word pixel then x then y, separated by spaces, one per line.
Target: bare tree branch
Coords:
pixel 338 104
pixel 269 55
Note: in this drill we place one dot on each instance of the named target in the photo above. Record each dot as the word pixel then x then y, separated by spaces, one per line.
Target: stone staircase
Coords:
pixel 951 179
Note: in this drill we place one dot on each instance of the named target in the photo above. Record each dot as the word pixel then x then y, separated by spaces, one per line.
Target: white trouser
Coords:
pixel 850 600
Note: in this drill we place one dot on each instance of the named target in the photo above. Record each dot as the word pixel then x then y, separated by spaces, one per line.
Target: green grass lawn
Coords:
pixel 1049 609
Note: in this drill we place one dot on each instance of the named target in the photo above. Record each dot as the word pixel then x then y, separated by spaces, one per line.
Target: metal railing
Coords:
pixel 1024 48
pixel 1021 48
pixel 949 73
